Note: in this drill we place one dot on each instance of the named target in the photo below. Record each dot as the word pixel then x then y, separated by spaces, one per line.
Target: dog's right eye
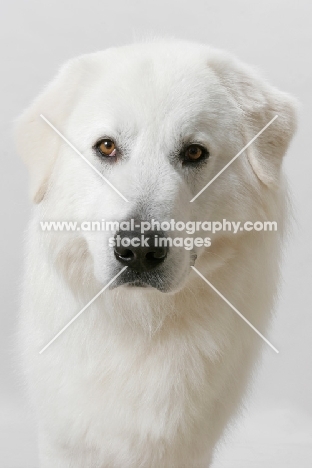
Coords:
pixel 106 147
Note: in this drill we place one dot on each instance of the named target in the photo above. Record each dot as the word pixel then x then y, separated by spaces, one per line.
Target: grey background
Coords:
pixel 36 38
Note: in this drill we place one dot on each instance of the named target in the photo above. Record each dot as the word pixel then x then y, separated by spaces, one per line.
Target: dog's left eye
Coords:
pixel 106 147
pixel 194 153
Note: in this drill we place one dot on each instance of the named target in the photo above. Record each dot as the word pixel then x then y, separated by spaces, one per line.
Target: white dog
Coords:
pixel 150 374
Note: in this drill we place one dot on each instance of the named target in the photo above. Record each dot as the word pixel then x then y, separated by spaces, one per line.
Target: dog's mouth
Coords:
pixel 137 284
pixel 147 280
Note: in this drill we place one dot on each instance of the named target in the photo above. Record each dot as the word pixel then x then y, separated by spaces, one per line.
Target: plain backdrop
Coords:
pixel 275 429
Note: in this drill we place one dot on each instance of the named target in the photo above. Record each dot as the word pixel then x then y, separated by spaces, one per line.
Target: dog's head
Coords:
pixel 158 121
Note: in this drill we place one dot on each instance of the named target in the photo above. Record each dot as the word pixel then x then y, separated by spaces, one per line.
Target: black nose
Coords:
pixel 140 252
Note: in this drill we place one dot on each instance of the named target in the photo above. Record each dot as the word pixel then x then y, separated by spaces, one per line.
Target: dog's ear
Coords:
pixel 37 143
pixel 258 103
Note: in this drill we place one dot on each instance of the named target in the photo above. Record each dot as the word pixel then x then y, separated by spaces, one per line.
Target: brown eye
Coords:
pixel 195 153
pixel 106 147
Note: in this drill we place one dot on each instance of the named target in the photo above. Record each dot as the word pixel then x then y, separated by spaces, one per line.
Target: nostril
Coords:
pixel 124 253
pixel 156 255
pixel 127 254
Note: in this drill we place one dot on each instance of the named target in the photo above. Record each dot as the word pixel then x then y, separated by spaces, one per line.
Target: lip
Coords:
pixel 137 284
pixel 142 283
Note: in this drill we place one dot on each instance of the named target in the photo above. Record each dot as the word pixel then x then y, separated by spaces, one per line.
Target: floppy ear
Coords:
pixel 37 143
pixel 258 103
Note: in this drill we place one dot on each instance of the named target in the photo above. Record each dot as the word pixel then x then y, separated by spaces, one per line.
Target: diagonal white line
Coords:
pixel 235 310
pixel 235 157
pixel 82 310
pixel 82 157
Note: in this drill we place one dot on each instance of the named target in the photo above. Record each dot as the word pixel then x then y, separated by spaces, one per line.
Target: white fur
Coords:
pixel 147 378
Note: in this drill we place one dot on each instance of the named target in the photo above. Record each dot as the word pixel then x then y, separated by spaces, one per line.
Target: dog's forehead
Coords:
pixel 134 89
pixel 153 83
pixel 162 76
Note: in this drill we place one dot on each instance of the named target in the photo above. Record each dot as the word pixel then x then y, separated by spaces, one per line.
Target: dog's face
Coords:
pixel 159 121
